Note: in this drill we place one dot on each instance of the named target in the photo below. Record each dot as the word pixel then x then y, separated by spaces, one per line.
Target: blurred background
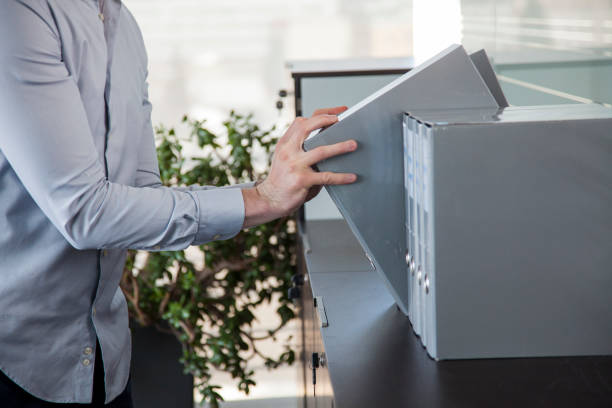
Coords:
pixel 208 57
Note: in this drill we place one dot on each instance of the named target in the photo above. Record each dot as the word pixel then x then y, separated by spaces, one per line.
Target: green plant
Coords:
pixel 208 299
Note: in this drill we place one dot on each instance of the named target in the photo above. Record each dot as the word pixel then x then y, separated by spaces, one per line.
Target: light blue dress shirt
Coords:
pixel 79 184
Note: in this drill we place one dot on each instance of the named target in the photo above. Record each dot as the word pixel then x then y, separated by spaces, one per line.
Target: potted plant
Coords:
pixel 206 297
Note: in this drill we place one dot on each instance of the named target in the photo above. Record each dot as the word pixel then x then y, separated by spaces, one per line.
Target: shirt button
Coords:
pixel 105 253
pixel 157 247
pixel 216 237
pixel 86 362
pixel 93 311
pixel 87 351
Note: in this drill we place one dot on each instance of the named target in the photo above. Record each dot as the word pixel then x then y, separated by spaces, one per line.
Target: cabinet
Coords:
pixel 317 385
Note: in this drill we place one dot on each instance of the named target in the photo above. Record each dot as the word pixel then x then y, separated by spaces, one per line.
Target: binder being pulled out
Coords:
pixel 490 224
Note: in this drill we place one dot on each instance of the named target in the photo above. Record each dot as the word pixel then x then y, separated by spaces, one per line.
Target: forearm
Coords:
pixel 118 216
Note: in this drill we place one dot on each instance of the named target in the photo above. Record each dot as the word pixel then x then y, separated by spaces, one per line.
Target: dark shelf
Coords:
pixel 375 359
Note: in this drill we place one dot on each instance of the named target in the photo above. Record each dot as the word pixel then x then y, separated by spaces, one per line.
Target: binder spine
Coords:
pixel 430 267
pixel 420 252
pixel 408 178
pixel 413 228
pixel 424 129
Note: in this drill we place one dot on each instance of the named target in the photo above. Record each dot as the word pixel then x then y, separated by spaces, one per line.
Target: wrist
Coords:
pixel 257 208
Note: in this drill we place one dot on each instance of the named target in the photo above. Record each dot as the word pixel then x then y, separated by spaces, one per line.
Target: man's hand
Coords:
pixel 292 180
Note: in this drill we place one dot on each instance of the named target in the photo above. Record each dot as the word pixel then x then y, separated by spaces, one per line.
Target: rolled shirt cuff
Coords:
pixel 221 214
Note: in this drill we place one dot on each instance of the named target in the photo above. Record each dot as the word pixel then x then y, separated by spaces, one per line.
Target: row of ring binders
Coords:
pixel 490 224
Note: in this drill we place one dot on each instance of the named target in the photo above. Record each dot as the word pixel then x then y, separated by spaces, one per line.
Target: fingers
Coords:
pixel 330 111
pixel 329 178
pixel 317 122
pixel 325 152
pixel 302 127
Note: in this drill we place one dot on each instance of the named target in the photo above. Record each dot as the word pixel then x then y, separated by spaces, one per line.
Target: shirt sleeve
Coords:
pixel 45 136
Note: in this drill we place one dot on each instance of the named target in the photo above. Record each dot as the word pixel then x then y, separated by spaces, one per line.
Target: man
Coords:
pixel 79 184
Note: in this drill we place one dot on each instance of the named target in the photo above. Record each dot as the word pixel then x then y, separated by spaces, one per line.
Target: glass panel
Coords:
pixel 546 51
